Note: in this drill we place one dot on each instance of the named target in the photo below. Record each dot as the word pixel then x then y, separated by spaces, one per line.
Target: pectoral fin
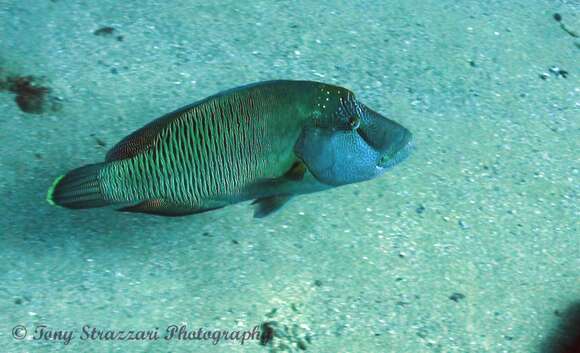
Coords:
pixel 268 205
pixel 296 172
pixel 272 186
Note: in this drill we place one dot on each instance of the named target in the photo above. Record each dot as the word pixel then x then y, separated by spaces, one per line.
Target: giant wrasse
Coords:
pixel 265 142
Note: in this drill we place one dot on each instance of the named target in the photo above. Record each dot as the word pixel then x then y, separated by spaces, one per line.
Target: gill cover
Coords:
pixel 337 157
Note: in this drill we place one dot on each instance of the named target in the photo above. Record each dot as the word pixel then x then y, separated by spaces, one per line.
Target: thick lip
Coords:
pixel 406 146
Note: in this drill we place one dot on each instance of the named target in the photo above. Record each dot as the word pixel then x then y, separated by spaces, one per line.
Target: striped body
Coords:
pixel 210 154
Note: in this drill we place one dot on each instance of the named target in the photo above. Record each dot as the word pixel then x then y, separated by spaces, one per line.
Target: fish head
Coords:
pixel 349 142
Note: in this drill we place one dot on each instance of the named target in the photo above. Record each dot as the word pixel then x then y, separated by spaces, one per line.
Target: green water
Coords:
pixel 471 245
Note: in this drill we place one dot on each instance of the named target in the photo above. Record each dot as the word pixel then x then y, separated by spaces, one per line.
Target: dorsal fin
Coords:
pixel 139 140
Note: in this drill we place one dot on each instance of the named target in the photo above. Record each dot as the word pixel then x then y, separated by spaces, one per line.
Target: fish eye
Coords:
pixel 353 122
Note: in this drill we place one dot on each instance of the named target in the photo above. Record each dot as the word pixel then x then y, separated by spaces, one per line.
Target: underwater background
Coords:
pixel 471 245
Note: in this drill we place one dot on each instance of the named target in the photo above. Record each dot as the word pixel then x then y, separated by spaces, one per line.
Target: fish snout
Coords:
pixel 392 142
pixel 401 145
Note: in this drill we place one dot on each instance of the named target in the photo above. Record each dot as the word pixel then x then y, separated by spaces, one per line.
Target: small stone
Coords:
pixel 558 72
pixel 100 142
pixel 104 31
pixel 456 297
pixel 267 333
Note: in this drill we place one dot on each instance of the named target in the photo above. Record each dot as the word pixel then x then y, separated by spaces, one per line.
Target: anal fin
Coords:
pixel 262 189
pixel 268 205
pixel 165 208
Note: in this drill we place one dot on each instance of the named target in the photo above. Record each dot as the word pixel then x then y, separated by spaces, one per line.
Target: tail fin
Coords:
pixel 79 188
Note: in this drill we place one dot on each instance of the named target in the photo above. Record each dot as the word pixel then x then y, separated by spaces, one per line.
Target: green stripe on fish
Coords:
pixel 265 142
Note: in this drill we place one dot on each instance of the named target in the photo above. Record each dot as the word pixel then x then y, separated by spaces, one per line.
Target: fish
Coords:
pixel 267 142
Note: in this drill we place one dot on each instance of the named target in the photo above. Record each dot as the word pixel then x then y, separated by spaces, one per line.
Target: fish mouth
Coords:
pixel 400 152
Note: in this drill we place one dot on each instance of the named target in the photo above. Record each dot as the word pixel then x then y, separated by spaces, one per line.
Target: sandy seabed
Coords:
pixel 472 245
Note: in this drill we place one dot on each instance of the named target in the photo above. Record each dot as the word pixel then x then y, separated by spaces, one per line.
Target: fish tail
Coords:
pixel 79 188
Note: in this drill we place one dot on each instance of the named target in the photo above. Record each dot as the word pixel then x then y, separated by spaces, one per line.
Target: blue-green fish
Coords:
pixel 266 142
